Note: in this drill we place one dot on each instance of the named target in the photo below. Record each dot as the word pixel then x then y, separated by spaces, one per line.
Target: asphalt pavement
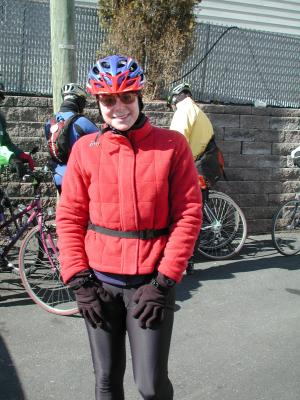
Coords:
pixel 236 336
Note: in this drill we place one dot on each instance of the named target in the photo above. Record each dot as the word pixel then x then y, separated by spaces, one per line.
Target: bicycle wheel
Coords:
pixel 39 271
pixel 224 228
pixel 286 228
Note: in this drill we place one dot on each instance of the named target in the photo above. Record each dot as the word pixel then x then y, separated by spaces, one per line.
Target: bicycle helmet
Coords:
pixel 176 91
pixel 115 74
pixel 72 91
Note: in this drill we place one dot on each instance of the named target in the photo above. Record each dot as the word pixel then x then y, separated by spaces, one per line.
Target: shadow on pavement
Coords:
pixel 255 245
pixel 257 254
pixel 12 292
pixel 227 271
pixel 188 285
pixel 11 388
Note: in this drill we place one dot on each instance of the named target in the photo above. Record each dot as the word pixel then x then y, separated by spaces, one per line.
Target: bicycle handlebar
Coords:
pixel 37 176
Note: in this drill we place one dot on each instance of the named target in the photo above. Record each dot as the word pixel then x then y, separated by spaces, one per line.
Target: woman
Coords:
pixel 129 215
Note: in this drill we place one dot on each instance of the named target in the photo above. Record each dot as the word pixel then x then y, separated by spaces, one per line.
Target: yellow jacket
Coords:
pixel 191 121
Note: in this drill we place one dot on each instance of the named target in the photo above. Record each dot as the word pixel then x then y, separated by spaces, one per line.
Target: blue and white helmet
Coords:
pixel 72 91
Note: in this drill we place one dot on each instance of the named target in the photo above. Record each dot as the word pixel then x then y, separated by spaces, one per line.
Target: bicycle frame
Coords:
pixel 35 211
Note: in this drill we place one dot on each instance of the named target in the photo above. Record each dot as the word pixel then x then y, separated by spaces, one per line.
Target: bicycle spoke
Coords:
pixel 224 228
pixel 38 256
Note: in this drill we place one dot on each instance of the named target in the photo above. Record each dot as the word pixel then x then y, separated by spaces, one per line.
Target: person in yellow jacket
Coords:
pixel 189 119
pixel 192 122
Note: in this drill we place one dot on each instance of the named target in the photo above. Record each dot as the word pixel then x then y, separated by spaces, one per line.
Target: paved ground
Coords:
pixel 236 336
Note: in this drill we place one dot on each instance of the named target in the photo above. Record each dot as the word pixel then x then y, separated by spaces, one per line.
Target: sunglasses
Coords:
pixel 110 100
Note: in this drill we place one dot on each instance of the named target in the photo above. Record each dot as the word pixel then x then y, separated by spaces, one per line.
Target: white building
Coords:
pixel 278 16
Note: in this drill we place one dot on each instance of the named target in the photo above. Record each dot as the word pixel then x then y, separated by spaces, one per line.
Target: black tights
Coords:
pixel 149 350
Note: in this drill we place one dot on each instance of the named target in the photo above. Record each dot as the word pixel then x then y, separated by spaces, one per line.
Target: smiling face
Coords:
pixel 117 113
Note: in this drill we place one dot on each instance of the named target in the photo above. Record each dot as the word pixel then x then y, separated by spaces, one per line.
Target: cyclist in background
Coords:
pixel 74 101
pixel 189 119
pixel 192 122
pixel 8 150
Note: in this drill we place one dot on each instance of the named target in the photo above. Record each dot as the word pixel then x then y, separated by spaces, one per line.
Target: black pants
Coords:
pixel 149 349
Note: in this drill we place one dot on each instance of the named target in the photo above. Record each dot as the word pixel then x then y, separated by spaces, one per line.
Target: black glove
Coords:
pixel 151 301
pixel 89 295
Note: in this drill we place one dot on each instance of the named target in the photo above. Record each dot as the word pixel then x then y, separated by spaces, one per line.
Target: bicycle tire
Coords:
pixel 224 238
pixel 286 228
pixel 40 272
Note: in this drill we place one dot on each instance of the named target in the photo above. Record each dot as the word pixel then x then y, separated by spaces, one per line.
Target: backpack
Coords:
pixel 59 138
pixel 211 164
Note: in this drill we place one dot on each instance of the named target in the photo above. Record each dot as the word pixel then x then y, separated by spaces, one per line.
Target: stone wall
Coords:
pixel 256 143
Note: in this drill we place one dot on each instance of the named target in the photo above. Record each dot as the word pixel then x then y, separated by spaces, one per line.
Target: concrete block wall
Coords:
pixel 256 143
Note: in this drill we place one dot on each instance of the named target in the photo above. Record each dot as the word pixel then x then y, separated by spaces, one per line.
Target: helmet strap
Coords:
pixel 101 120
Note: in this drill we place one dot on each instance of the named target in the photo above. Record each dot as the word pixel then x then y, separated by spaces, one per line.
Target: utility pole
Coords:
pixel 62 21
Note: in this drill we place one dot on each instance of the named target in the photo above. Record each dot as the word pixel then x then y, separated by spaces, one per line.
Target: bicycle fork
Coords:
pixel 48 243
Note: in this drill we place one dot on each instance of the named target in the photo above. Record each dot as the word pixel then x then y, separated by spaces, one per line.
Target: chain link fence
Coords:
pixel 244 66
pixel 25 45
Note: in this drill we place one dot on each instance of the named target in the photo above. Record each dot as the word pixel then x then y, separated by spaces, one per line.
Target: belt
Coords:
pixel 145 234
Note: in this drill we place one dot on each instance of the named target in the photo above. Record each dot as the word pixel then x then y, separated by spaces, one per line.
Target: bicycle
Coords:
pixel 224 226
pixel 38 265
pixel 286 221
pixel 40 269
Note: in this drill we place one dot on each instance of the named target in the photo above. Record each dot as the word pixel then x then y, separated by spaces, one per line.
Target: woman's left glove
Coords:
pixel 151 301
pixel 24 157
pixel 90 295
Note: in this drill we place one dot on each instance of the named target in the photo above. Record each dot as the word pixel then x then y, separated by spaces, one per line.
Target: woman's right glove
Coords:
pixel 90 295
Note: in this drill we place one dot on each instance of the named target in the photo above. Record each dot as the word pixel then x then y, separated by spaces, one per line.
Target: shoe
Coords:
pixel 190 268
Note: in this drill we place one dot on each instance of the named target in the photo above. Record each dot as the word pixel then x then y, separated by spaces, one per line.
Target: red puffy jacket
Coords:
pixel 146 180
